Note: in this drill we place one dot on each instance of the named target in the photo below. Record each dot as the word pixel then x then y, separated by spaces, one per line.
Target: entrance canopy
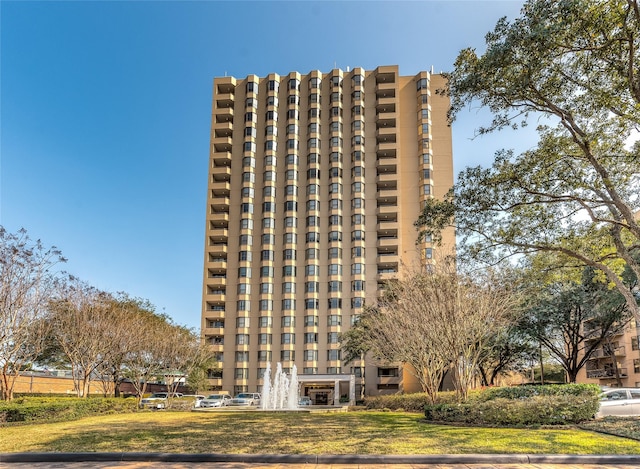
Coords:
pixel 331 381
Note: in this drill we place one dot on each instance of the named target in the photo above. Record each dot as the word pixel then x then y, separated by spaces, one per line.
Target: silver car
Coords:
pixel 215 400
pixel 246 399
pixel 621 402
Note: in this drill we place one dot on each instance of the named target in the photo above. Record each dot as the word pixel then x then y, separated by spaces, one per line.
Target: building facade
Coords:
pixel 315 182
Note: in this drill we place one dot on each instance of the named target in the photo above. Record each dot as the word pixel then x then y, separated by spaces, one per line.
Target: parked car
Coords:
pixel 197 398
pixel 157 400
pixel 215 400
pixel 621 402
pixel 304 401
pixel 246 399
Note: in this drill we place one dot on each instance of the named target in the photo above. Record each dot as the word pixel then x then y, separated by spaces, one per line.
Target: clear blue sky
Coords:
pixel 106 107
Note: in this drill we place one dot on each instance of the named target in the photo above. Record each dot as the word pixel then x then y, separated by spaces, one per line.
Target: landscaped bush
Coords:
pixel 523 405
pixel 42 409
pixel 407 402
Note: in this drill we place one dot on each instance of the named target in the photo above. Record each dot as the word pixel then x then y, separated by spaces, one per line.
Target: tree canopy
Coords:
pixel 576 65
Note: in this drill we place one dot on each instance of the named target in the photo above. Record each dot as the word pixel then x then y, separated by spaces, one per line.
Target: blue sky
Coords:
pixel 106 105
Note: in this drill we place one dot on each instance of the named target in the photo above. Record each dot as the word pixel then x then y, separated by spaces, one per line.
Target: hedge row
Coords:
pixel 524 405
pixel 406 402
pixel 30 409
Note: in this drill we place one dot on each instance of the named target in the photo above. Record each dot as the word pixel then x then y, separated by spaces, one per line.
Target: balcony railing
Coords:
pixel 606 373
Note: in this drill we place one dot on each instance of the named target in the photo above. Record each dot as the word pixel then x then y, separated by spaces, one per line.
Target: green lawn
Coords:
pixel 296 433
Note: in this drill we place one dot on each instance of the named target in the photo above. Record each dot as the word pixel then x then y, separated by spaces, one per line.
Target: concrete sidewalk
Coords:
pixel 282 461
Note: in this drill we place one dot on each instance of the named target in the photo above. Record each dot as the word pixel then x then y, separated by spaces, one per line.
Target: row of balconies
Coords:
pixel 606 373
pixel 607 352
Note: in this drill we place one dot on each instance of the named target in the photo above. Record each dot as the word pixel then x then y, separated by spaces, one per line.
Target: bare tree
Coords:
pixel 84 327
pixel 26 285
pixel 437 320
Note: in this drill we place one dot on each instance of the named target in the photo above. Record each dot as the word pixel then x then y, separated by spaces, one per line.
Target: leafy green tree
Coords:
pixel 571 320
pixel 574 65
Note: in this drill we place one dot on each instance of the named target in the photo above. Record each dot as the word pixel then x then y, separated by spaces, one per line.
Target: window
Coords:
pixel 310 370
pixel 335 269
pixel 314 98
pixel 313 205
pixel 241 373
pixel 357 302
pixel 271 130
pixel 265 321
pixel 312 253
pixel 291 175
pixel 248 192
pixel 311 303
pixel 312 237
pixel 335 157
pixel 357 110
pixel 634 343
pixel 289 304
pixel 266 271
pixel 334 286
pixel 244 288
pixel 334 303
pixel 246 240
pixel 357 80
pixel 312 270
pixel 357 268
pixel 288 321
pixel 290 238
pixel 242 339
pixel 313 189
pixel 289 254
pixel 313 158
pixel 335 219
pixel 335 204
pixel 313 173
pixel 248 176
pixel 249 162
pixel 335 111
pixel 336 126
pixel 310 321
pixel 252 87
pixel 267 255
pixel 287 338
pixel 269 222
pixel 357 285
pixel 311 287
pixel 246 224
pixel 357 219
pixel 266 305
pixel 357 251
pixel 272 101
pixel 271 115
pixel 428 253
pixel 310 355
pixel 421 84
pixel 266 288
pixel 264 355
pixel 294 84
pixel 314 113
pixel 265 339
pixel 334 319
pixel 250 132
pixel 245 256
pixel 293 114
pixel 314 83
pixel 388 372
pixel 269 207
pixel 335 172
pixel 335 253
pixel 334 370
pixel 335 236
pixel 357 235
pixel 335 188
pixel 426 158
pixel 336 81
pixel 270 160
pixel 357 140
pixel 269 176
pixel 313 220
pixel 242 356
pixel 242 322
pixel 250 117
pixel 273 85
pixel 244 272
pixel 426 174
pixel 357 171
pixel 357 187
pixel 291 205
pixel 356 95
pixel 268 238
pixel 270 145
pixel 291 189
pixel 426 189
pixel 294 99
pixel 336 141
pixel 336 97
pixel 289 287
pixel 310 338
pixel 357 203
pixel 251 102
pixel 333 355
pixel 287 355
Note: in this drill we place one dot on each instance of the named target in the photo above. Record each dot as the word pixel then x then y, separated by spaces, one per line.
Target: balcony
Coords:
pixel 222 158
pixel 223 129
pixel 224 100
pixel 387 260
pixel 217 266
pixel 385 107
pixel 383 147
pixel 220 189
pixel 219 235
pixel 607 353
pixel 218 297
pixel 388 133
pixel 386 116
pixel 222 144
pixel 385 122
pixel 387 274
pixel 217 249
pixel 387 179
pixel 221 173
pixel 225 85
pixel 388 242
pixel 387 228
pixel 606 373
pixel 221 204
pixel 224 114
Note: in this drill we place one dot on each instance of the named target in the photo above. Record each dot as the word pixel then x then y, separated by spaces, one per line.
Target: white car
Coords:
pixel 216 400
pixel 246 399
pixel 621 402
pixel 157 400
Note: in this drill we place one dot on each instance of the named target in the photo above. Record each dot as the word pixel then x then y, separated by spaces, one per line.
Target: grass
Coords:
pixel 297 433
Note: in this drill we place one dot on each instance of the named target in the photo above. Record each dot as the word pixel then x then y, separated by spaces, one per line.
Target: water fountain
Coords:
pixel 282 392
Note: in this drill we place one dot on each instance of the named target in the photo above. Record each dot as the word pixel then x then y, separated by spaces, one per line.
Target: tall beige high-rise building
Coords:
pixel 315 182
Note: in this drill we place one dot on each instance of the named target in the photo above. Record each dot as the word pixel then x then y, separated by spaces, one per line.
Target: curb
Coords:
pixel 326 458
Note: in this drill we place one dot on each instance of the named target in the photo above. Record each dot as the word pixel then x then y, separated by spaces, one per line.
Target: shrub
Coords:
pixel 524 405
pixel 407 402
pixel 31 409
